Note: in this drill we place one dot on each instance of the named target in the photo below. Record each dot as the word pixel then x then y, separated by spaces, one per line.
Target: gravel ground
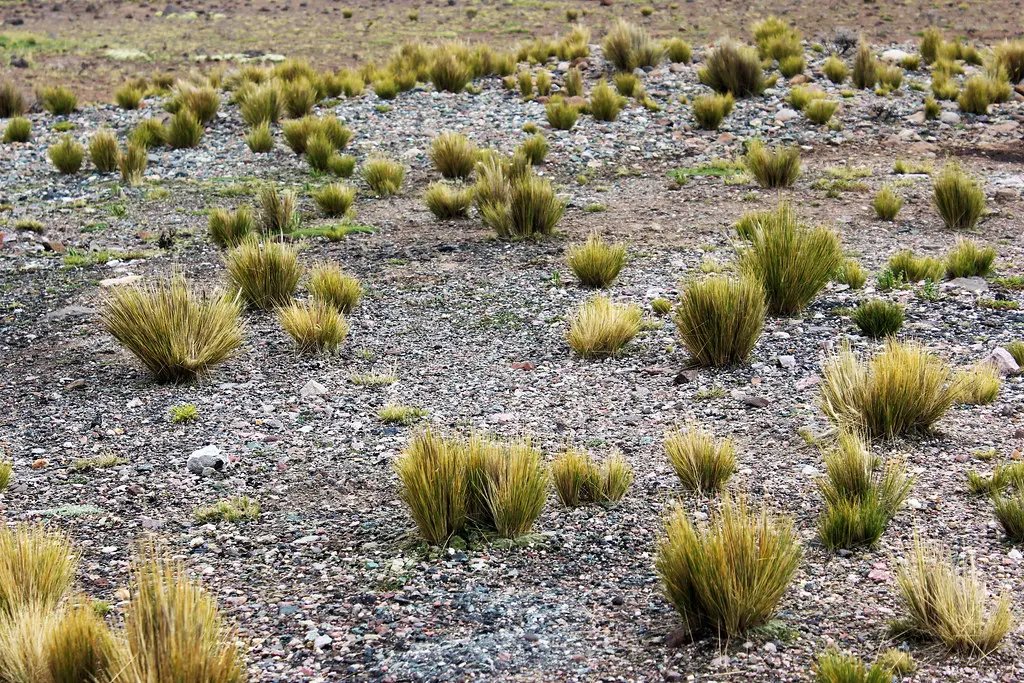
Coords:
pixel 330 582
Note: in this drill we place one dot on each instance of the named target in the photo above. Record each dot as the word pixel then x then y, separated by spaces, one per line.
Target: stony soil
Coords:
pixel 330 582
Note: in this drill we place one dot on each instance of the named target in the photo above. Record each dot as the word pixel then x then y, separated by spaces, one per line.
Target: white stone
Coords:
pixel 312 388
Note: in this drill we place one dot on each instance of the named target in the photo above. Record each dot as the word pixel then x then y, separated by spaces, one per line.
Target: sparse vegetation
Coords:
pixel 600 328
pixel 773 168
pixel 266 274
pixel 383 176
pixel 315 326
pixel 958 198
pixel 596 263
pixel 719 319
pixel 236 509
pixel 878 318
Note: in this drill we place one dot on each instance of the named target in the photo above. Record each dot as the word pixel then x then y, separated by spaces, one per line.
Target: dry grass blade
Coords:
pixel 178 334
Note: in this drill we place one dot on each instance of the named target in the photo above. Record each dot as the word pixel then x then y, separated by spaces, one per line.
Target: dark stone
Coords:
pixel 685 377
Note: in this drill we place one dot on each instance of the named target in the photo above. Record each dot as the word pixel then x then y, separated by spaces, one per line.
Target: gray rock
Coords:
pixel 312 388
pixel 894 55
pixel 70 312
pixel 120 281
pixel 950 117
pixel 206 457
pixel 1003 360
pixel 787 362
pixel 786 114
pixel 975 285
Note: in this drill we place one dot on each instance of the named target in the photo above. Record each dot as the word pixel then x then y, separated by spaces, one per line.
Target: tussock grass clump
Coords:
pixel 779 167
pixel 342 165
pixel 103 151
pixel 975 96
pixel 835 70
pixel 453 155
pixel 834 666
pixel 543 80
pixel 183 130
pixel 860 500
pixel 600 328
pixel 605 103
pixel 851 273
pixel 1009 54
pixel 959 199
pixel 1010 513
pixel 580 481
pixel 730 575
pixel 628 46
pixel 792 65
pixel 298 97
pixel 385 87
pixel 950 604
pixel 733 69
pixel 276 210
pixel 173 629
pixel 12 102
pixel 298 132
pixel 202 102
pixel 710 110
pixel 702 462
pixel 573 82
pixel 335 199
pixel 525 81
pixel 228 229
pixel 384 176
pixel 6 474
pixel 149 133
pixel 178 334
pixel 776 39
pixel 262 105
pixel 560 115
pixel 979 385
pixel 865 67
pixel 264 275
pixel 913 268
pixel 627 83
pixel 791 261
pixel 516 206
pixel 800 97
pixel 820 111
pixel 314 326
pixel 596 263
pixel 878 318
pixel 535 149
pixel 234 509
pixel 447 202
pixel 719 319
pixel 931 41
pixel 887 203
pixel 67 155
pixel 319 151
pixel 132 164
pixel 259 139
pixel 58 100
pixel 969 259
pixel 128 97
pixel 903 389
pixel 448 483
pixel 18 129
pixel 329 283
pixel 37 567
pixel 1002 478
pixel 78 646
pixel 677 50
pixel 400 415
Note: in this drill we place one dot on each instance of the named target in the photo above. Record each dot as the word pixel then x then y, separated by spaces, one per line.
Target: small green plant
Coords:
pixel 834 666
pixel 1010 513
pixel 887 203
pixel 185 412
pixel 329 283
pixel 773 168
pixel 912 268
pixel 236 509
pixel 835 70
pixel 710 110
pixel 535 149
pixel 67 155
pixel 383 176
pixel 597 263
pixel 335 199
pixel 878 318
pixel 730 575
pixel 183 130
pixel 701 461
pixel 400 415
pixel 276 210
pixel 820 111
pixel 600 328
pixel 132 164
pixel 579 480
pixel 663 307
pixel 315 326
pixel 959 199
pixel 264 275
pixel 720 319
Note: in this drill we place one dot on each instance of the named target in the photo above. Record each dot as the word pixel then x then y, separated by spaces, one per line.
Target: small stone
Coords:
pixel 322 641
pixel 685 377
pixel 786 114
pixel 756 401
pixel 770 647
pixel 893 56
pixel 787 362
pixel 950 117
pixel 1003 360
pixel 810 471
pixel 206 457
pixel 1015 554
pixel 808 382
pixel 312 388
pixel 120 281
pixel 974 285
